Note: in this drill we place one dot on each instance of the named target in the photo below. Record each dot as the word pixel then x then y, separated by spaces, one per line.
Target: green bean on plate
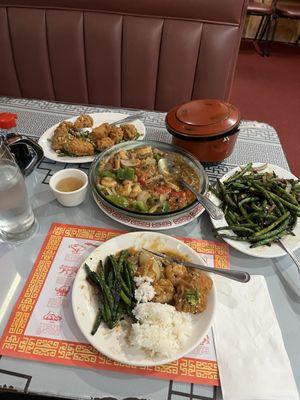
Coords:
pixel 113 282
pixel 261 204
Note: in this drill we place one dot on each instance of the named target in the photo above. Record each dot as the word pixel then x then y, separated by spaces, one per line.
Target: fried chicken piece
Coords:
pixel 83 121
pixel 61 135
pixel 115 133
pixel 58 140
pixel 104 143
pixel 129 131
pixel 100 132
pixel 79 147
pixel 192 293
pixel 65 126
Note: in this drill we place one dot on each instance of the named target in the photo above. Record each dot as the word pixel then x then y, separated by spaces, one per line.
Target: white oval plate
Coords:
pixel 292 242
pixel 111 343
pixel 99 118
pixel 158 225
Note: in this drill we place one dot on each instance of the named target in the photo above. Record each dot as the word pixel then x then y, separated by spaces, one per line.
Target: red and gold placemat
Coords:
pixel 42 326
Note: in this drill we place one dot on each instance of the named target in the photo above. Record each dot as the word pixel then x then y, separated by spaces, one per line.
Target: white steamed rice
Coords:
pixel 160 330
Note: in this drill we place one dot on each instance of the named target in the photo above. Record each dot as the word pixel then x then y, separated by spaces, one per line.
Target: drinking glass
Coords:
pixel 17 221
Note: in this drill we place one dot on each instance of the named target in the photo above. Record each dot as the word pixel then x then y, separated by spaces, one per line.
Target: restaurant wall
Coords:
pixel 287 30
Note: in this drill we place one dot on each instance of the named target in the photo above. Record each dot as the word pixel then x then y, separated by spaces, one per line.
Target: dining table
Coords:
pixel 257 142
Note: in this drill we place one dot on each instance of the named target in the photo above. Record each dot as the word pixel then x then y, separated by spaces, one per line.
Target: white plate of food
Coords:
pixel 267 219
pixel 159 334
pixel 71 141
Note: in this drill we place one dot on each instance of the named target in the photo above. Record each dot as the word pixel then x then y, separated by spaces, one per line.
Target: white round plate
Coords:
pixel 158 225
pixel 112 343
pixel 292 242
pixel 99 118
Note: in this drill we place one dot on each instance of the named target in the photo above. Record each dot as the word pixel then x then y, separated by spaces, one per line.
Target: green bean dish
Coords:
pixel 259 207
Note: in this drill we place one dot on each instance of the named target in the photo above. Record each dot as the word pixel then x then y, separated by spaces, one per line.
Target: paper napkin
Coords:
pixel 252 360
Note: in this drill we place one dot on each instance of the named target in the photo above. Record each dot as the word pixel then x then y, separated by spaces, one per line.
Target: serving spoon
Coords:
pixel 118 122
pixel 168 168
pixel 239 276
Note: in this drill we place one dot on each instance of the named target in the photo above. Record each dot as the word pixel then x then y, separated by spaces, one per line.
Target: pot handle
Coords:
pixel 37 149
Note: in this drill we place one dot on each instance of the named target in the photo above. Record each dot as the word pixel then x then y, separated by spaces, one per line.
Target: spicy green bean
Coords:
pixel 259 207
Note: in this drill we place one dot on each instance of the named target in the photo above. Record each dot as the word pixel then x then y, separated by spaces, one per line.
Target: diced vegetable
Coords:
pixel 107 174
pixel 126 173
pixel 141 206
pixel 165 207
pixel 120 201
pixel 157 156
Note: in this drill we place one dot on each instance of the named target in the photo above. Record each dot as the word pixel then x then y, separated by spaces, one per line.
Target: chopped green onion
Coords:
pixel 192 297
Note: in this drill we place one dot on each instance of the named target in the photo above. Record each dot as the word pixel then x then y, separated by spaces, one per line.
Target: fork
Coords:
pixel 290 253
pixel 118 122
pixel 128 119
pixel 239 276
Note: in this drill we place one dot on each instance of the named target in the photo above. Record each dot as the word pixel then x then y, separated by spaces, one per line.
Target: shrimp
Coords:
pixel 117 162
pixel 175 272
pixel 108 182
pixel 164 291
pixel 125 189
pixel 136 190
pixel 144 151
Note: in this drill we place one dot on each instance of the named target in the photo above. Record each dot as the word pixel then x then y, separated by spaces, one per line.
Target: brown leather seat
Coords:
pixel 257 8
pixel 288 10
pixel 149 54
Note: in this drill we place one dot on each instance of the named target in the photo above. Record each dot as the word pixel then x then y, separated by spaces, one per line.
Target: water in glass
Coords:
pixel 16 217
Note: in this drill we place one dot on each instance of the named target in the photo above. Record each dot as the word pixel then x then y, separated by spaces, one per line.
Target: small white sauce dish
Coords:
pixel 72 198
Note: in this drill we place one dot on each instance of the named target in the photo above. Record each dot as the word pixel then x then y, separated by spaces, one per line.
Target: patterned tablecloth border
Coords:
pixel 15 343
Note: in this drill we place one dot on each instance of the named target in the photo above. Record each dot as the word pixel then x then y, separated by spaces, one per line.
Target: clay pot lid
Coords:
pixel 202 118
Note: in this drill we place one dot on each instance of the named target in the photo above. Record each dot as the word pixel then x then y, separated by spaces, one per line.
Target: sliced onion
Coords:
pixel 149 161
pixel 153 179
pixel 154 208
pixel 130 162
pixel 143 196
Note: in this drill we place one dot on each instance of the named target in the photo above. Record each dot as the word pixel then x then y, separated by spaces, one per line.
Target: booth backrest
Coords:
pixel 151 54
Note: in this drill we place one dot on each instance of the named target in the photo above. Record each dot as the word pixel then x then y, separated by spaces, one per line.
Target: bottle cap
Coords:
pixel 7 120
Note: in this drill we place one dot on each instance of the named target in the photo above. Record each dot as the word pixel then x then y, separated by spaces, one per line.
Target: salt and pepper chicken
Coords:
pixel 185 288
pixel 131 179
pixel 72 139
